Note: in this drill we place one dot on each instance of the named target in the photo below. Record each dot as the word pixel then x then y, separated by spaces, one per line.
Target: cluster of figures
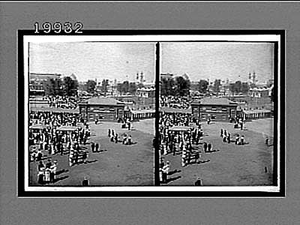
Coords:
pixel 239 139
pixel 175 102
pixel 62 101
pixel 45 134
pixel 52 119
pixel 49 137
pixel 54 141
pixel 46 172
pixel 238 123
pixel 77 156
pixel 95 147
pixel 171 141
pixel 114 137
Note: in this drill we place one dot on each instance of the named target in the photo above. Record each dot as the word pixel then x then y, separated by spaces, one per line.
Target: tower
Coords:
pixel 142 77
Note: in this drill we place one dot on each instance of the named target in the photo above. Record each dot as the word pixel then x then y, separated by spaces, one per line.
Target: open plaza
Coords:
pixel 228 164
pixel 115 164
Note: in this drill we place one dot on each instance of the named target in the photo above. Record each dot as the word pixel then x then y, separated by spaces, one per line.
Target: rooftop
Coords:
pixel 214 101
pixel 175 110
pixel 103 101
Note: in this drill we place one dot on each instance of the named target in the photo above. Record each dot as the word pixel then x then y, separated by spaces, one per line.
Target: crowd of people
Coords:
pixel 126 139
pixel 175 102
pixel 56 133
pixel 226 137
pixel 46 172
pixel 179 133
pixel 65 102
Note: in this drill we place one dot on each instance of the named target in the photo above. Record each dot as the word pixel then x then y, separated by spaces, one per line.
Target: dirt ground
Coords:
pixel 123 165
pixel 115 165
pixel 229 164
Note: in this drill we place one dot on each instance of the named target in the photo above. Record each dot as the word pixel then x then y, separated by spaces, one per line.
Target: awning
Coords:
pixel 175 110
pixel 37 127
pixel 180 128
pixel 257 111
pixel 67 128
pixel 55 110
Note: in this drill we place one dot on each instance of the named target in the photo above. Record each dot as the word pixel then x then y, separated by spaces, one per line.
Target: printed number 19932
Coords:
pixel 58 27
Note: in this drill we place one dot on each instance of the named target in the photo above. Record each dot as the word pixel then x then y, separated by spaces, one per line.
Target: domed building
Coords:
pixel 184 76
pixel 73 77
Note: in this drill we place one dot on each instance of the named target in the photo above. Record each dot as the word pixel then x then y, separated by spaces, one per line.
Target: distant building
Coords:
pixel 36 80
pixel 108 109
pixel 259 92
pixel 220 109
pixel 147 91
pixel 166 75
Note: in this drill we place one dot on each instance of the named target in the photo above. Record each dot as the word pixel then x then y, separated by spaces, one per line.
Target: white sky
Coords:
pixel 91 60
pixel 218 60
pixel 122 61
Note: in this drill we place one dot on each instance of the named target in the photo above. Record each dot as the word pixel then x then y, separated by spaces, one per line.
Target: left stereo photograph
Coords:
pixel 89 113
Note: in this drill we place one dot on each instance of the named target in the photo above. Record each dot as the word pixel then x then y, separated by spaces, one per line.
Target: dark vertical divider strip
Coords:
pixel 276 119
pixel 156 161
pixel 282 114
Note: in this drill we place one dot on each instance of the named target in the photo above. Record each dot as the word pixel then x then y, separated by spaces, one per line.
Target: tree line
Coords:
pixel 56 86
pixel 181 87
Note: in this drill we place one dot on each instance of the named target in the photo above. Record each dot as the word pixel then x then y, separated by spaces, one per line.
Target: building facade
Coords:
pixel 218 109
pixel 101 108
pixel 36 82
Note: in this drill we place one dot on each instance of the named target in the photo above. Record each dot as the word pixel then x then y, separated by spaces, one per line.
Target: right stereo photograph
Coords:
pixel 219 113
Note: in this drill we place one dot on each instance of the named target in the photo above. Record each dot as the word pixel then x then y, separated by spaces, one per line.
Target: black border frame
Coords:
pixel 176 194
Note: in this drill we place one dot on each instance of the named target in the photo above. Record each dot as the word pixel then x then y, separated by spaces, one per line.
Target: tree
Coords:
pixel 232 88
pixel 237 86
pixel 132 88
pixel 70 86
pixel 182 86
pixel 123 88
pixel 104 86
pixel 252 85
pixel 53 86
pixel 167 86
pixel 217 85
pixel 140 85
pixel 203 85
pixel 245 88
pixel 90 86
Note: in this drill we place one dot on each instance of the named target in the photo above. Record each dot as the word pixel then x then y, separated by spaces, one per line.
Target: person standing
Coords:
pixel 242 140
pixel 41 176
pixel 116 138
pixel 97 147
pixel 198 182
pixel 47 175
pixel 85 182
pixel 228 138
pixel 84 157
pixel 237 139
pixel 93 146
pixel 53 171
pixel 197 157
pixel 48 164
pixel 166 170
pixel 209 147
pixel 205 147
